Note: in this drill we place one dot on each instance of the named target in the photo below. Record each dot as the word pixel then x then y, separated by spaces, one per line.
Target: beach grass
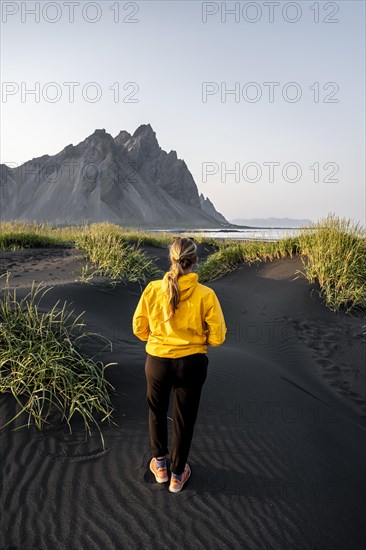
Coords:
pixel 43 365
pixel 232 255
pixel 21 235
pixel 333 253
pixel 111 250
pixel 17 235
pixel 113 256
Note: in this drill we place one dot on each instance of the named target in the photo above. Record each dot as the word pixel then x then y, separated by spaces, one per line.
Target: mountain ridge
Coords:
pixel 128 179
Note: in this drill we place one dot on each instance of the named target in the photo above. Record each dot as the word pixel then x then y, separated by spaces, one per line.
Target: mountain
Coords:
pixel 128 180
pixel 271 222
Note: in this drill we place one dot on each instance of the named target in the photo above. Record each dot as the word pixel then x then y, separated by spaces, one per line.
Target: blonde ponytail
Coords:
pixel 183 254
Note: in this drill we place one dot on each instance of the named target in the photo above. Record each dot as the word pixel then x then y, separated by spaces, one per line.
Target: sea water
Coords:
pixel 262 234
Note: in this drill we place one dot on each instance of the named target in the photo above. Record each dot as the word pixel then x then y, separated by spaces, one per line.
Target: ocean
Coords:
pixel 263 234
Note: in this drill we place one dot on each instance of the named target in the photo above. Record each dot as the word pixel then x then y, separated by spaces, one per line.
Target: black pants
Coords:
pixel 186 376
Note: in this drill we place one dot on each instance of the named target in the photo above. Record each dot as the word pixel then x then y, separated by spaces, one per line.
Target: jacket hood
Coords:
pixel 187 284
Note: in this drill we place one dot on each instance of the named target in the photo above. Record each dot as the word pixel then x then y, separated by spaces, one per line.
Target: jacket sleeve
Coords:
pixel 215 322
pixel 140 321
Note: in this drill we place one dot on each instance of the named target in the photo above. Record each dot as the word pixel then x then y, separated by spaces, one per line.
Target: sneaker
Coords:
pixel 176 484
pixel 161 474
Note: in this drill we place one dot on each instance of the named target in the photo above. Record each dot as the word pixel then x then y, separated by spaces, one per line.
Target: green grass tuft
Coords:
pixel 334 255
pixel 113 256
pixel 231 255
pixel 43 366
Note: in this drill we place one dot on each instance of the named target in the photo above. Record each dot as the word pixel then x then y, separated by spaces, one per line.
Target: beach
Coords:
pixel 278 454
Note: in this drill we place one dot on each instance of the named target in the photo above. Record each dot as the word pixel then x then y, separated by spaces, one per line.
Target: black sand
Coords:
pixel 278 455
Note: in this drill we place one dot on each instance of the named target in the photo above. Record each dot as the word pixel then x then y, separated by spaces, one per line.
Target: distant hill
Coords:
pixel 128 180
pixel 271 222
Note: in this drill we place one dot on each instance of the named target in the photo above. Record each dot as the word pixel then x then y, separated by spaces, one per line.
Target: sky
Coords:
pixel 263 100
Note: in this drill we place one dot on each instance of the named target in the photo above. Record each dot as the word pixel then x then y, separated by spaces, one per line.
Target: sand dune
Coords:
pixel 279 448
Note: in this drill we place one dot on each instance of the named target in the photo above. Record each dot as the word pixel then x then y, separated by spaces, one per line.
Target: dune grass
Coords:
pixel 333 253
pixel 43 366
pixel 111 255
pixel 20 235
pixel 16 235
pixel 232 255
pixel 111 250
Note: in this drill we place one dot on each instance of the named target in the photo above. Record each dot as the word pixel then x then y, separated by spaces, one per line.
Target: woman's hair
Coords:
pixel 182 254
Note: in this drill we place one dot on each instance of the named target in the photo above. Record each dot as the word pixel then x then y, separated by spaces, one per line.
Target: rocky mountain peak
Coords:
pixel 173 155
pixel 144 130
pixel 122 138
pixel 99 136
pixel 128 179
pixel 145 137
pixel 142 146
pixel 98 144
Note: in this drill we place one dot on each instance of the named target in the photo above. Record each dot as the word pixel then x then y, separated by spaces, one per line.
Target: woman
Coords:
pixel 178 318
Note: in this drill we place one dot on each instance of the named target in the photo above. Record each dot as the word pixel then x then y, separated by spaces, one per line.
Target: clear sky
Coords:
pixel 172 64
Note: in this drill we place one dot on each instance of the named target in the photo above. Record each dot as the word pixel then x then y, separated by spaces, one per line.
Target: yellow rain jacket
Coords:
pixel 198 321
